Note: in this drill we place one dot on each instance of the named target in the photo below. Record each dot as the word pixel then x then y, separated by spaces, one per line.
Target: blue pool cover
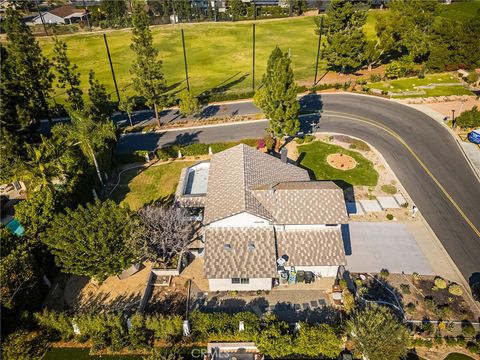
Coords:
pixel 15 227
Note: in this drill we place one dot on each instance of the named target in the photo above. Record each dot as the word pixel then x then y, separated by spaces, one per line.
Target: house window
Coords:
pixel 240 281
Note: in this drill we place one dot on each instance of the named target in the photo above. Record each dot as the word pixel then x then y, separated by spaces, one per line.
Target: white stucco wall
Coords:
pixel 226 285
pixel 325 271
pixel 241 220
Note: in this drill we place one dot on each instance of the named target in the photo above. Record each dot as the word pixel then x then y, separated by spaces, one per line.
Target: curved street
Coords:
pixel 421 152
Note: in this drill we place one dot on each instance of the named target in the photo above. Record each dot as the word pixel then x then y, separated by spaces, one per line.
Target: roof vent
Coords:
pixel 251 246
pixel 227 247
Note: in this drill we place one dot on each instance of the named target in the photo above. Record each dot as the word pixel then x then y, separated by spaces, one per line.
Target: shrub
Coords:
pixel 361 81
pixel 348 301
pixel 359 145
pixel 440 283
pixel 469 119
pixel 389 216
pixel 309 138
pixel 405 288
pixel 455 289
pixel 472 347
pixel 24 345
pixel 165 328
pixel 375 78
pixel 410 308
pixel 467 328
pixel 358 282
pixel 384 273
pixel 438 341
pixel 59 323
pixel 399 68
pixel 431 305
pixel 299 140
pixel 343 284
pixel 416 277
pixel 472 77
pixel 389 189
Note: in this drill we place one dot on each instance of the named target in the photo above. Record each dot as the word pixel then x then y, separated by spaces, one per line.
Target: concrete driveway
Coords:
pixel 371 247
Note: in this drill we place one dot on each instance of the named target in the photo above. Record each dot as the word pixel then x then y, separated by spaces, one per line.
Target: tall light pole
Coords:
pixel 41 18
pixel 86 12
pixel 453 118
pixel 253 56
pixel 318 50
pixel 111 67
pixel 185 60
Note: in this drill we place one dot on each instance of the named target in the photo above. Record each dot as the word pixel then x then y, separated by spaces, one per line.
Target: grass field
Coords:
pixel 219 55
pixel 138 188
pixel 315 158
pixel 460 10
pixel 408 84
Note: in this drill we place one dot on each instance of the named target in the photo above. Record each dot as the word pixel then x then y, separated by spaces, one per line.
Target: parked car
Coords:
pixel 474 136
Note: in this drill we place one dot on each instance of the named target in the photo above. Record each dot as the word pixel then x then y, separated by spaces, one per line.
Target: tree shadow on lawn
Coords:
pixel 224 86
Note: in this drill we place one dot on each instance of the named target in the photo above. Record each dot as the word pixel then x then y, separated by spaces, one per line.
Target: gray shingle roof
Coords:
pixel 258 261
pixel 238 170
pixel 303 202
pixel 311 247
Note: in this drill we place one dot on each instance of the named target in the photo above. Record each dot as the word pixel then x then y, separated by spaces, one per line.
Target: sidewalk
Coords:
pixel 470 150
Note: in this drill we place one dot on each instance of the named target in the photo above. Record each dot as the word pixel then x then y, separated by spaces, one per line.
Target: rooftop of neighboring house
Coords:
pixel 67 11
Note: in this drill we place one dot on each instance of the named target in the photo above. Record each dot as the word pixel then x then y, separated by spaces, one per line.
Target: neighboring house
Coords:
pixel 62 15
pixel 263 216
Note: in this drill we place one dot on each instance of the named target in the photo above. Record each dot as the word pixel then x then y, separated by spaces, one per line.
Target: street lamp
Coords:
pixel 453 118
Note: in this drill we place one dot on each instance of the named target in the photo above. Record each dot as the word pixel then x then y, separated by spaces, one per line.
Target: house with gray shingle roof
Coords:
pixel 262 217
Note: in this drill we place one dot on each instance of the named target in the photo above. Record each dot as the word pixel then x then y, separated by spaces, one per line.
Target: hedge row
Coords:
pixel 114 332
pixel 197 149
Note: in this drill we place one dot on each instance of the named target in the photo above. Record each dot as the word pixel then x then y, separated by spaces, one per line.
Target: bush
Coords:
pixel 299 140
pixel 375 78
pixel 24 345
pixel 472 347
pixel 455 289
pixel 308 138
pixel 165 328
pixel 59 323
pixel 472 77
pixel 384 273
pixel 467 328
pixel 389 216
pixel 410 308
pixel 440 283
pixel 359 145
pixel 415 277
pixel 389 189
pixel 469 119
pixel 405 288
pixel 348 301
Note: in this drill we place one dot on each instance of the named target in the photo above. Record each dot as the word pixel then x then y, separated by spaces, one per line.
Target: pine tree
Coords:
pixel 126 105
pixel 149 80
pixel 93 240
pixel 346 40
pixel 99 98
pixel 29 69
pixel 68 75
pixel 278 95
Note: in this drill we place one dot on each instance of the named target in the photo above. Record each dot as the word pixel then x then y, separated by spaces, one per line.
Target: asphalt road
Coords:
pixel 453 213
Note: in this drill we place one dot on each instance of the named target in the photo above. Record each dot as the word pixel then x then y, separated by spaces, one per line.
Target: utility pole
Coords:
pixel 111 67
pixel 253 56
pixel 185 60
pixel 41 18
pixel 215 9
pixel 453 119
pixel 88 20
pixel 318 50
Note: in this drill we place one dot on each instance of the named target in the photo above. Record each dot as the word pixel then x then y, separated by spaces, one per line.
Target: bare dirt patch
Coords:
pixel 341 161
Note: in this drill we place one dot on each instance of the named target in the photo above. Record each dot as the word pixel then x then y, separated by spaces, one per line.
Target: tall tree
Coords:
pixel 189 104
pixel 168 231
pixel 236 9
pixel 376 332
pixel 148 80
pixel 68 75
pixel 99 98
pixel 410 25
pixel 346 40
pixel 115 12
pixel 29 69
pixel 93 137
pixel 126 105
pixel 278 96
pixel 93 240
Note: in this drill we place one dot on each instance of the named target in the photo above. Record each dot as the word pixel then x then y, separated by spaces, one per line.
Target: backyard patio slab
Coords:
pixel 387 202
pixel 354 208
pixel 370 205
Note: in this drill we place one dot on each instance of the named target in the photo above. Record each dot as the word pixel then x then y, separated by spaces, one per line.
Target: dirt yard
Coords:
pixel 81 293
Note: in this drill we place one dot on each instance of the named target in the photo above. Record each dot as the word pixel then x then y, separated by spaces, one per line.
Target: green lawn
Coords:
pixel 315 158
pixel 460 10
pixel 409 84
pixel 458 356
pixel 219 54
pixel 157 183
